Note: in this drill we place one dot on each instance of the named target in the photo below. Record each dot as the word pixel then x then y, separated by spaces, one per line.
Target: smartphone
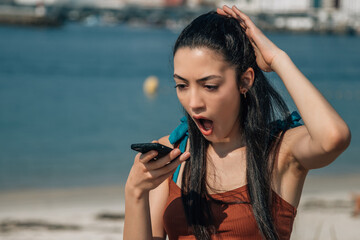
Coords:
pixel 146 147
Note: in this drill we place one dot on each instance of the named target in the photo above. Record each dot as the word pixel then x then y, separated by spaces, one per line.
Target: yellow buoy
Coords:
pixel 151 85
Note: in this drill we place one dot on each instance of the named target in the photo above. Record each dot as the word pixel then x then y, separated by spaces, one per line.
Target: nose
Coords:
pixel 196 101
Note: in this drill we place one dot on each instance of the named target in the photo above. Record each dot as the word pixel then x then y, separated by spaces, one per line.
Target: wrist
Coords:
pixel 279 60
pixel 135 193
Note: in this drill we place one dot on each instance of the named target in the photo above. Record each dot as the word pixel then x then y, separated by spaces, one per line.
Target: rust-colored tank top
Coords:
pixel 232 221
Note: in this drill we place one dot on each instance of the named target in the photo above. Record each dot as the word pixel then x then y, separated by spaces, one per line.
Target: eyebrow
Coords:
pixel 198 80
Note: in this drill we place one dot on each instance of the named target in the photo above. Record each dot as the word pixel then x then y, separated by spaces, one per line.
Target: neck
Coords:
pixel 229 145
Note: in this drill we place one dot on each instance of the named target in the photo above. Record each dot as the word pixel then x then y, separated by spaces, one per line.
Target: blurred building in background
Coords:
pixel 269 6
pixel 276 6
pixel 257 6
pixel 327 16
pixel 273 6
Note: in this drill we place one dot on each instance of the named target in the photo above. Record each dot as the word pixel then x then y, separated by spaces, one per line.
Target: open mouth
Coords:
pixel 205 125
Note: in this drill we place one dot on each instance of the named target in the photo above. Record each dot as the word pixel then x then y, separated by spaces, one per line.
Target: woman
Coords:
pixel 246 171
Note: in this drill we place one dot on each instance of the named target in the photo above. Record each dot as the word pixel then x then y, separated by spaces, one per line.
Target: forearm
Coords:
pixel 137 216
pixel 323 123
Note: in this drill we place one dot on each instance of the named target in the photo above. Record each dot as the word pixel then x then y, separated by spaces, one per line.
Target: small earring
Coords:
pixel 244 94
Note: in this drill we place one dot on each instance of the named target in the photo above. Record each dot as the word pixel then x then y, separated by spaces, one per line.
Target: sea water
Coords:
pixel 71 99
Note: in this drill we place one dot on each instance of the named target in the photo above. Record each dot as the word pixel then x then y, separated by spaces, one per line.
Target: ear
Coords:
pixel 247 80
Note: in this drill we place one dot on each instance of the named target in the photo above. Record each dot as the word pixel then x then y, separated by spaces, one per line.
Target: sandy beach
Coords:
pixel 325 212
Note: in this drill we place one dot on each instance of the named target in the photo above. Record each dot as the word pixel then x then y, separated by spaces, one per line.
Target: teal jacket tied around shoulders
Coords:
pixel 181 135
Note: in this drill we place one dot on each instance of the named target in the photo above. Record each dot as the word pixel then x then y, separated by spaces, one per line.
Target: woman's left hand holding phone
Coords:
pixel 146 175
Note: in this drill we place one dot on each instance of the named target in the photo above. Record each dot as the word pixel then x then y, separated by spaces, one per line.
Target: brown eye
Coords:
pixel 180 86
pixel 211 87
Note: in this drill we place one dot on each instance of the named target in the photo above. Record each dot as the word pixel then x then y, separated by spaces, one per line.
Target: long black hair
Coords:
pixel 258 112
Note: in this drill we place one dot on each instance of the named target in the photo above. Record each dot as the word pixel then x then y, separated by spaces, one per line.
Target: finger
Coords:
pixel 161 174
pixel 253 32
pixel 242 24
pixel 245 18
pixel 232 13
pixel 229 11
pixel 166 175
pixel 168 169
pixel 146 157
pixel 185 156
pixel 239 13
pixel 161 162
pixel 173 165
pixel 221 12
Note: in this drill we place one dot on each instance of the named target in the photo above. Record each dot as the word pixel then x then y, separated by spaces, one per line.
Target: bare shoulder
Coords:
pixel 165 141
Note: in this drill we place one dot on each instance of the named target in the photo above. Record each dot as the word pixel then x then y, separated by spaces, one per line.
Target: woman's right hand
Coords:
pixel 146 173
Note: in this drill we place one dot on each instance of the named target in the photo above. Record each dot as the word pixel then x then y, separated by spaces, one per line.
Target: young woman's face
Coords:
pixel 207 89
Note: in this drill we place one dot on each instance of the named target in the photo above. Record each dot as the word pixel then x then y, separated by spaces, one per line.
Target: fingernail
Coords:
pixel 186 156
pixel 177 151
